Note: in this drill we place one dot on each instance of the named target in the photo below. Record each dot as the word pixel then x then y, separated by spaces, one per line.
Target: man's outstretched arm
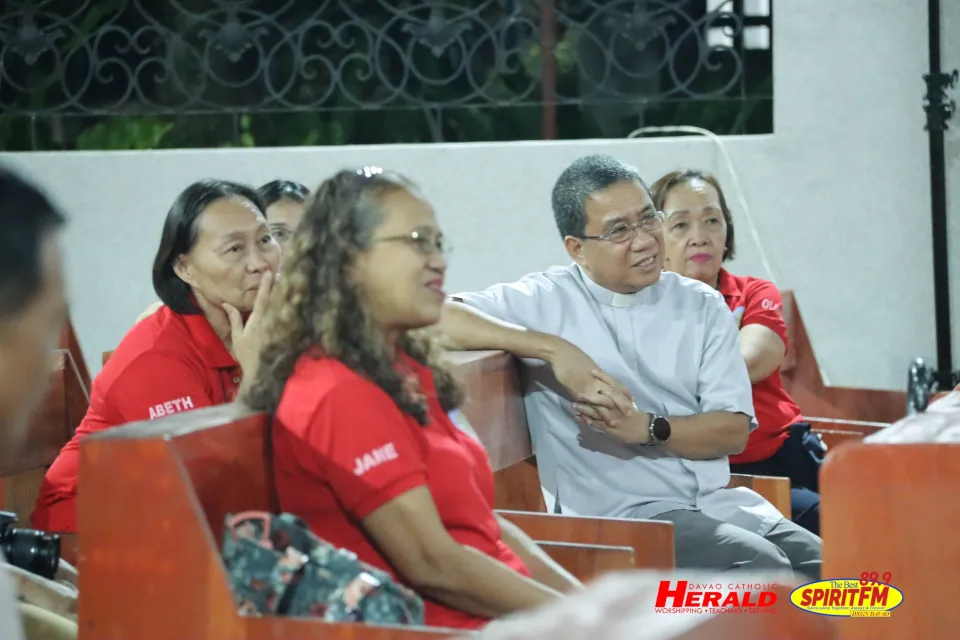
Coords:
pixel 464 328
pixel 467 329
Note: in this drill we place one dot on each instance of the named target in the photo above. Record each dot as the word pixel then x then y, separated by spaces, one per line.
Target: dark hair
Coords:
pixel 317 309
pixel 662 187
pixel 26 216
pixel 586 176
pixel 180 234
pixel 277 190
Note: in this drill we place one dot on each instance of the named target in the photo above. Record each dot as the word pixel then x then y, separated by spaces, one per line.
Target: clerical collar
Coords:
pixel 612 298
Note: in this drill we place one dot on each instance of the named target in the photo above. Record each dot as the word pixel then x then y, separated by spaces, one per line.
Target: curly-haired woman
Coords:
pixel 363 448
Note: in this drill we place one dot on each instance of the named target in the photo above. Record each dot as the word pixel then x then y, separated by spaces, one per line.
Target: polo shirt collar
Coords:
pixel 614 299
pixel 728 286
pixel 211 347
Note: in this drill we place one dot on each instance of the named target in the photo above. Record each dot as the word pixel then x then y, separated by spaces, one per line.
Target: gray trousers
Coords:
pixel 702 542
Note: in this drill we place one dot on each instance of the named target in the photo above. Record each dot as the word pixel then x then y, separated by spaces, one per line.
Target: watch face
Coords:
pixel 661 428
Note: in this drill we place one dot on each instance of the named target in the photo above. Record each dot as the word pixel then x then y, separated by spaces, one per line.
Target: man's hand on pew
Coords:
pixel 543 568
pixel 56 597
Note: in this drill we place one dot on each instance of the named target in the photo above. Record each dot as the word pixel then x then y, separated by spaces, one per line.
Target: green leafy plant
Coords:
pixel 125 133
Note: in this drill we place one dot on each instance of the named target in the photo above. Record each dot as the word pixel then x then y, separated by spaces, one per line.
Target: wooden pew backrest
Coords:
pixel 69 342
pixel 494 397
pixel 652 543
pixel 204 465
pixel 230 469
pixel 837 432
pixel 24 458
pixel 587 562
pixel 150 565
pixel 891 507
pixel 775 490
pixel 803 381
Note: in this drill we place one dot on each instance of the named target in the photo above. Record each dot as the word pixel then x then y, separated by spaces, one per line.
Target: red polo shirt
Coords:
pixel 343 449
pixel 758 301
pixel 167 363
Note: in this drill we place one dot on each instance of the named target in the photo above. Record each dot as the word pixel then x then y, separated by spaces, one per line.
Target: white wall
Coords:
pixel 840 194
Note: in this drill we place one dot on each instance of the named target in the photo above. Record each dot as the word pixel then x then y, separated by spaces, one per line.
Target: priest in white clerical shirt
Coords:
pixel 634 386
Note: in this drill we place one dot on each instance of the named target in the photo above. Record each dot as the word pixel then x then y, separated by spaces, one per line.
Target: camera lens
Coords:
pixel 32 551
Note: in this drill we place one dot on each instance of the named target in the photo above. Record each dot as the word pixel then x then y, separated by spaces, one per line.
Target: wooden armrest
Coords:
pixel 865 427
pixel 834 432
pixel 588 562
pixel 775 490
pixel 651 541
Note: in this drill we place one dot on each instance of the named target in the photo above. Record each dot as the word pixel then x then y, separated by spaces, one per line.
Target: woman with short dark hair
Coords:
pixel 698 238
pixel 363 448
pixel 283 202
pixel 214 267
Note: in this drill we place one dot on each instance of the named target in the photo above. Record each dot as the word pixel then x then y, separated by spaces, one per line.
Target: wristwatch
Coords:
pixel 659 429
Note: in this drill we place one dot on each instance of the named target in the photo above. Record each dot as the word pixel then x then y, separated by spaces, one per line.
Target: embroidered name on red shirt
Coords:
pixel 375 458
pixel 170 407
pixel 769 304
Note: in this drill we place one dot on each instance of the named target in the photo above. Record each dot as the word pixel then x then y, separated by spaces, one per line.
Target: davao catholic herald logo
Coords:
pixel 684 596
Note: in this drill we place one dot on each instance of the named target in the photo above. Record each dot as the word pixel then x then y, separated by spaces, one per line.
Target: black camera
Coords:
pixel 33 551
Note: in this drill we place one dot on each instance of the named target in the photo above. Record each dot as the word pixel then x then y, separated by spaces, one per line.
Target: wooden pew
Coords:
pixel 494 407
pixel 888 504
pixel 804 383
pixel 775 490
pixel 68 341
pixel 836 432
pixel 24 460
pixel 150 565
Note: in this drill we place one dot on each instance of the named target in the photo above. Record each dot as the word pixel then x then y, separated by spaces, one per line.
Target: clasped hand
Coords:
pixel 606 405
pixel 599 400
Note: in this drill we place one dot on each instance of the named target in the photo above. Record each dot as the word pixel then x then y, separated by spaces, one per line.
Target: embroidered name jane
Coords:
pixel 375 458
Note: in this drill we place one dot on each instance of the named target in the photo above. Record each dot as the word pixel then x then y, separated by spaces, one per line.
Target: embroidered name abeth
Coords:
pixel 375 458
pixel 171 407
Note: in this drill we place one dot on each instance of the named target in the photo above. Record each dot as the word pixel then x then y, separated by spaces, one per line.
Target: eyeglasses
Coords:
pixel 424 243
pixel 626 232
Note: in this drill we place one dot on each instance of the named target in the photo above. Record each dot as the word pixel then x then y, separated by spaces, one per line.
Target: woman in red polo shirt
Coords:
pixel 213 267
pixel 698 238
pixel 284 201
pixel 364 450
